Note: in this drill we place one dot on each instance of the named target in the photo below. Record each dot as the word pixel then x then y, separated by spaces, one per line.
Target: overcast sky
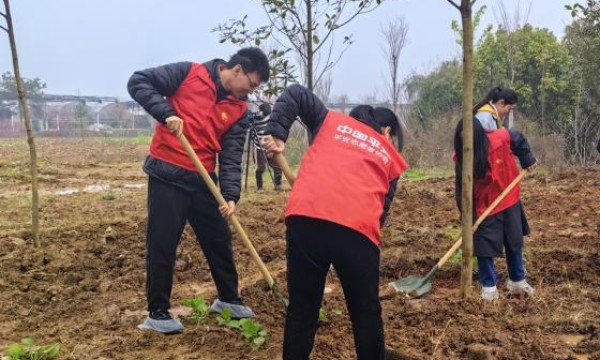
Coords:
pixel 93 46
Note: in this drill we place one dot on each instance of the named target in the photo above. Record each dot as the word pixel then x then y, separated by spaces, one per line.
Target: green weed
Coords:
pixel 27 351
pixel 252 332
pixel 324 318
pixel 457 259
pixel 200 308
pixel 108 196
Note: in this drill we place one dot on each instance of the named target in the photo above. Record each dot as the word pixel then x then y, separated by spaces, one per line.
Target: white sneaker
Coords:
pixel 489 293
pixel 520 286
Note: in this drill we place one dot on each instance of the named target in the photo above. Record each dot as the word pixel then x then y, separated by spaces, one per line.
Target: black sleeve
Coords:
pixel 230 160
pixel 149 88
pixel 520 147
pixel 389 197
pixel 598 146
pixel 294 101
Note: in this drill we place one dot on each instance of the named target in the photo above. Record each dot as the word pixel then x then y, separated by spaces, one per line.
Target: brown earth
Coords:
pixel 84 287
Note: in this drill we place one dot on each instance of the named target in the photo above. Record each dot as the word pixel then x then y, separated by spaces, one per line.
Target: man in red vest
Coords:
pixel 339 201
pixel 206 102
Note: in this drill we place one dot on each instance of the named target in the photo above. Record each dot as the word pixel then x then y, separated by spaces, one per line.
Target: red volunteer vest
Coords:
pixel 345 175
pixel 205 121
pixel 503 170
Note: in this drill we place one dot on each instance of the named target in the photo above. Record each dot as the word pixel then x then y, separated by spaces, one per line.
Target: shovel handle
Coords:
pixel 285 168
pixel 283 165
pixel 482 217
pixel 233 219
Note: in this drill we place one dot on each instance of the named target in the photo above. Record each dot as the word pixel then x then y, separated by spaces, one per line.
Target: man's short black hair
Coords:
pixel 252 59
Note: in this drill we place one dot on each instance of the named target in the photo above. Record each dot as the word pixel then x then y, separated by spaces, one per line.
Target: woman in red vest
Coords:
pixel 497 103
pixel 338 203
pixel 494 168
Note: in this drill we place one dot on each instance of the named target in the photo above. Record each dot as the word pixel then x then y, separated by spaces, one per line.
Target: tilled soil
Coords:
pixel 84 287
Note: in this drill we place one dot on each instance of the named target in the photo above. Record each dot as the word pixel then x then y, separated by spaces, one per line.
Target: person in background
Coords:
pixel 498 103
pixel 206 103
pixel 495 167
pixel 262 160
pixel 337 205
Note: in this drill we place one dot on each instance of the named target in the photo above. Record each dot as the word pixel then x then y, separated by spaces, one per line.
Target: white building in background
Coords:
pixel 69 113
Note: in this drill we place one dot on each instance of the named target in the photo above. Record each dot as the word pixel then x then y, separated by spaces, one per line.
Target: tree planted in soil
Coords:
pixel 27 118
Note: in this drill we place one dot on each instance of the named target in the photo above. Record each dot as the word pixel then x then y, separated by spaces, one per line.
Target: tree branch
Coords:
pixel 3 28
pixel 453 4
pixel 3 15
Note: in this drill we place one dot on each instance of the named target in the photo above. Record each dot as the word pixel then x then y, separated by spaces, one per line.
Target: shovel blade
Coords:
pixel 421 290
pixel 413 286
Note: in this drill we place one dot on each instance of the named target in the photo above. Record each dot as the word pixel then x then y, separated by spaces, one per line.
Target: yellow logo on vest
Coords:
pixel 224 117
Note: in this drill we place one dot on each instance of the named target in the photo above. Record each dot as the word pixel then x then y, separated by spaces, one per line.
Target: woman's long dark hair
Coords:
pixel 496 94
pixel 386 117
pixel 480 149
pixel 379 117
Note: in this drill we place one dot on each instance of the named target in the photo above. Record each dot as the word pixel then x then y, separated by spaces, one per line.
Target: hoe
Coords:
pixel 416 286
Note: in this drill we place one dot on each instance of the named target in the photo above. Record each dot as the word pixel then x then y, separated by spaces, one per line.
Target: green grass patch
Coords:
pixel 424 174
pixel 453 233
pixel 138 139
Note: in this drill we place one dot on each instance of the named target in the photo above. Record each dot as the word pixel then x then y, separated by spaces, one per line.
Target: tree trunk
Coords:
pixel 466 280
pixel 30 138
pixel 309 46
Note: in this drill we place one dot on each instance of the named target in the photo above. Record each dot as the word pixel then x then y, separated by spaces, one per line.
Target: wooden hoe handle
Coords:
pixel 233 219
pixel 482 217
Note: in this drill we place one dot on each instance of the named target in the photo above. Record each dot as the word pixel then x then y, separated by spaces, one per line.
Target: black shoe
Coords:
pixel 160 315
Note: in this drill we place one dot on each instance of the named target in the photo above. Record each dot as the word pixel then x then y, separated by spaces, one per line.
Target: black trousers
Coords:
pixel 312 246
pixel 169 207
pixel 261 164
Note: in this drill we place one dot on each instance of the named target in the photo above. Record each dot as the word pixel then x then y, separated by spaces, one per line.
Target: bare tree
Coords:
pixel 512 23
pixel 323 88
pixel 372 98
pixel 466 281
pixel 308 27
pixel 394 35
pixel 35 224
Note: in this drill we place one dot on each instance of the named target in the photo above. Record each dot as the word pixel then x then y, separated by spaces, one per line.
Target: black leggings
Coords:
pixel 312 246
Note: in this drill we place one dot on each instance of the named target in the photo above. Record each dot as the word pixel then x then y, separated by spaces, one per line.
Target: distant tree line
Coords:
pixel 558 81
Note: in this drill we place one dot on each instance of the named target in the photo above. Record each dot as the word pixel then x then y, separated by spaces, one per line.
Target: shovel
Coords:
pixel 283 164
pixel 416 286
pixel 233 219
pixel 285 168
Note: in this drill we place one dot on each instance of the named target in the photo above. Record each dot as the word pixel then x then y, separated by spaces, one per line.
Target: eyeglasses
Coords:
pixel 253 85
